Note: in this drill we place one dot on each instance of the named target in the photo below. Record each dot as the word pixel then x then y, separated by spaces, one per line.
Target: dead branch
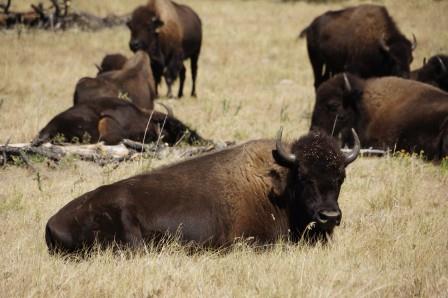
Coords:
pixel 6 7
pixel 102 154
pixel 368 152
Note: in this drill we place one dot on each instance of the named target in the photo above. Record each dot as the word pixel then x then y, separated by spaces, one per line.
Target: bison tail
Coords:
pixel 303 33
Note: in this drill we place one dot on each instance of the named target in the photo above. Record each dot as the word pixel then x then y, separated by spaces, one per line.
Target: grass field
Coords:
pixel 254 76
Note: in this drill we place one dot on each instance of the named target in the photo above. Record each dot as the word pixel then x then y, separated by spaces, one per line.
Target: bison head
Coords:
pixel 111 62
pixel 435 72
pixel 398 54
pixel 317 171
pixel 337 106
pixel 145 28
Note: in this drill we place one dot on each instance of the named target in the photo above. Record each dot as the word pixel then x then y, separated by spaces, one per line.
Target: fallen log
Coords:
pixel 103 154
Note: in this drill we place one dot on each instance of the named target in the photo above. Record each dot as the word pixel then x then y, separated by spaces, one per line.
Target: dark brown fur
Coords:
pixel 134 81
pixel 112 62
pixel 212 200
pixel 386 112
pixel 170 33
pixel 434 72
pixel 350 40
pixel 112 120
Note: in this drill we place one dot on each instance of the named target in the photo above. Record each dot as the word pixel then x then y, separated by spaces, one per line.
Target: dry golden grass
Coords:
pixel 253 77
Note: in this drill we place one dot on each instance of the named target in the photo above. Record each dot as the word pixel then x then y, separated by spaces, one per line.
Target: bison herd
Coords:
pixel 261 190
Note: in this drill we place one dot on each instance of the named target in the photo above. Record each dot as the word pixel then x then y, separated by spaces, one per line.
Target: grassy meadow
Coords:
pixel 254 76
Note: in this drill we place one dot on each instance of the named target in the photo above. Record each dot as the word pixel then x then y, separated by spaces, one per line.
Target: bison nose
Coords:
pixel 134 45
pixel 329 217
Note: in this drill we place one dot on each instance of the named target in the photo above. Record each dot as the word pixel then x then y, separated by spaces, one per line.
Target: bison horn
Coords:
pixel 347 85
pixel 99 68
pixel 414 42
pixel 384 44
pixel 169 110
pixel 353 154
pixel 442 65
pixel 289 158
pixel 424 61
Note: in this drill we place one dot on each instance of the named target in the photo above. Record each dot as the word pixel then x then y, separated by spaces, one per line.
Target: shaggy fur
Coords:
pixel 386 112
pixel 350 40
pixel 134 81
pixel 435 72
pixel 112 120
pixel 211 200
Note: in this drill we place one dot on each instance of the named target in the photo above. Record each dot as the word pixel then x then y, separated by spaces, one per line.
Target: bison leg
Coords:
pixel 182 81
pixel 317 64
pixel 194 72
pixel 131 232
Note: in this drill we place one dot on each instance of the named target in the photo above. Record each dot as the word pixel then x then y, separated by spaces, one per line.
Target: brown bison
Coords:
pixel 261 190
pixel 363 40
pixel 170 33
pixel 435 72
pixel 134 81
pixel 387 112
pixel 112 120
pixel 111 62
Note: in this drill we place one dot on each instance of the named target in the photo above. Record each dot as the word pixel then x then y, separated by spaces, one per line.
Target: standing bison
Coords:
pixel 435 72
pixel 387 112
pixel 363 40
pixel 170 33
pixel 262 190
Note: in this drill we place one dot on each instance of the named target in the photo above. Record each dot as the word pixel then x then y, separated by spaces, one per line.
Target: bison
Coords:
pixel 262 190
pixel 111 62
pixel 388 112
pixel 434 72
pixel 112 120
pixel 363 40
pixel 169 33
pixel 134 81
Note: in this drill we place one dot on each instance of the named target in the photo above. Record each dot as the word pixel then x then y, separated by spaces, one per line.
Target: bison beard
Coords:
pixel 261 190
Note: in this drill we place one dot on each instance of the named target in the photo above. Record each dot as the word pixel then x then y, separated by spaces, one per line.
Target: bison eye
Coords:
pixel 333 106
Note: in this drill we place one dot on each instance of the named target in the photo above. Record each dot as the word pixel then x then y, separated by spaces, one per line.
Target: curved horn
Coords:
pixel 414 42
pixel 442 65
pixel 347 85
pixel 169 110
pixel 352 155
pixel 289 158
pixel 384 44
pixel 424 61
pixel 100 70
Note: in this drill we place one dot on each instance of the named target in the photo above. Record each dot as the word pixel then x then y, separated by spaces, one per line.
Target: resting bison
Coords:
pixel 112 62
pixel 260 190
pixel 134 81
pixel 387 112
pixel 112 120
pixel 170 33
pixel 435 72
pixel 363 40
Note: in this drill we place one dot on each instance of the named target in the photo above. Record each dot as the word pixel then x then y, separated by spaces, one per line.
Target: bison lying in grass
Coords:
pixel 387 112
pixel 112 120
pixel 262 190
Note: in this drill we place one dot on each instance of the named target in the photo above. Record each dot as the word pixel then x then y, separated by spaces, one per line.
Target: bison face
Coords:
pixel 317 171
pixel 398 56
pixel 435 72
pixel 336 106
pixel 145 29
